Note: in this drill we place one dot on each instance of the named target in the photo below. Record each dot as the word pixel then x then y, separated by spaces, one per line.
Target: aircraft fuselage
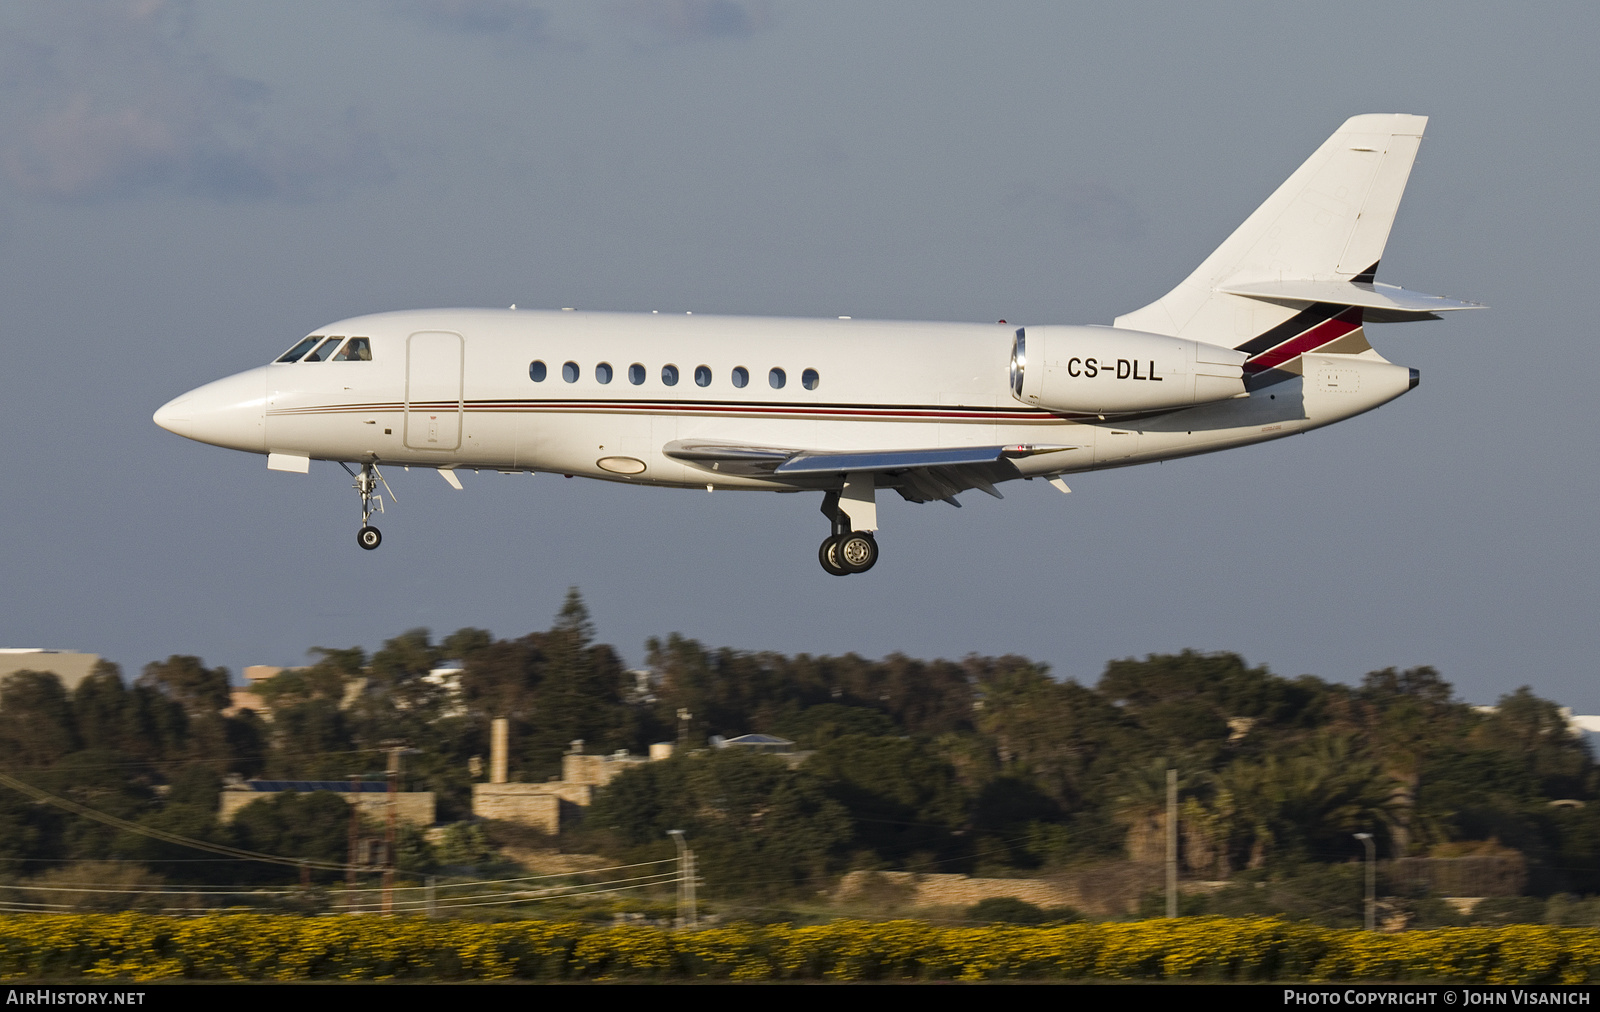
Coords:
pixel 452 389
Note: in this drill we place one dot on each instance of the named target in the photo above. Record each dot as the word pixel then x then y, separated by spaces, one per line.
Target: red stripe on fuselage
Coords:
pixel 689 407
pixel 1323 333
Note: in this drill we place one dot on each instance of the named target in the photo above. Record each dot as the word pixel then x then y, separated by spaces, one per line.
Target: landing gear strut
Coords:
pixel 367 481
pixel 845 551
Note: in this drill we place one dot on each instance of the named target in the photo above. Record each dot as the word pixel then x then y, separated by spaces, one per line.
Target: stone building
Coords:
pixel 371 797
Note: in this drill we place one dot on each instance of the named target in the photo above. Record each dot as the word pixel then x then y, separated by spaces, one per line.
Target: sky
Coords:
pixel 188 188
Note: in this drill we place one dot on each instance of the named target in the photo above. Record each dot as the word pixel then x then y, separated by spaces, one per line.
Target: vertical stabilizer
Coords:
pixel 1328 222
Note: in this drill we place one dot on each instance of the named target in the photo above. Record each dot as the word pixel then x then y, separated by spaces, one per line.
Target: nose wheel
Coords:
pixel 367 481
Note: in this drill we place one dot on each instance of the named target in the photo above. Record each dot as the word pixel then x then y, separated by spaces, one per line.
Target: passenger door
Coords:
pixel 434 361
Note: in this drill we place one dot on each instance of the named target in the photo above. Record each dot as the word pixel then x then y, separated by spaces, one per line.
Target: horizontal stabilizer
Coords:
pixel 1368 295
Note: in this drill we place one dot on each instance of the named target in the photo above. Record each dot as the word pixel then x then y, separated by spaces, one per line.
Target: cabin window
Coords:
pixel 537 372
pixel 809 379
pixel 324 350
pixel 777 379
pixel 669 375
pixel 358 350
pixel 741 376
pixel 293 354
pixel 636 374
pixel 569 372
pixel 702 375
pixel 602 372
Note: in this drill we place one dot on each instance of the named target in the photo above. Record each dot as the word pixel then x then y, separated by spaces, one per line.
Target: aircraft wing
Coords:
pixel 918 475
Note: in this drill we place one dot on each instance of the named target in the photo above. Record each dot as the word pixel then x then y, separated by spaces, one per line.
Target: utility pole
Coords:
pixel 355 844
pixel 394 749
pixel 688 915
pixel 1372 880
pixel 1172 843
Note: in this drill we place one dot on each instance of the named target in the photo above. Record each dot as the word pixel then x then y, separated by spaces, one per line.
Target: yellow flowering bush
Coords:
pixel 226 946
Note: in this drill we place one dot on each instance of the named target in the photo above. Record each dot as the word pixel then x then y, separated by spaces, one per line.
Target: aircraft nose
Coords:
pixel 230 412
pixel 175 415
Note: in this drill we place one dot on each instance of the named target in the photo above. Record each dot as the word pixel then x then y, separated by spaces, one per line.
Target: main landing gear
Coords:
pixel 367 481
pixel 845 551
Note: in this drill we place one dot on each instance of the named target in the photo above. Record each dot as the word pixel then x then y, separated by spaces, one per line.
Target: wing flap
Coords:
pixel 920 475
pixel 739 458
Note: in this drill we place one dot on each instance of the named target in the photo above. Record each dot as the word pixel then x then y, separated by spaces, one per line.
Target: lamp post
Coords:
pixel 1372 880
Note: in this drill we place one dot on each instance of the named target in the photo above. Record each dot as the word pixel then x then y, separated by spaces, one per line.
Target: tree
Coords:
pixel 902 798
pixel 200 690
pixel 578 694
pixel 100 706
pixel 36 720
pixel 315 826
pixel 758 827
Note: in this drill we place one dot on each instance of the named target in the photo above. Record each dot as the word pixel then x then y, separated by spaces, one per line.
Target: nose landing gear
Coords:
pixel 367 481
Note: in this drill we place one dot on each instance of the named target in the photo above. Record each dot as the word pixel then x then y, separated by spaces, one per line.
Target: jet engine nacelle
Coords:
pixel 1109 371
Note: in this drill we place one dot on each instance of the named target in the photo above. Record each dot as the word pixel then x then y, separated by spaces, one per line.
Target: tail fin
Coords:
pixel 1296 276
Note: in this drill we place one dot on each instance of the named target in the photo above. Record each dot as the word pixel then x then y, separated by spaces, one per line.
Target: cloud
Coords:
pixel 507 20
pixel 692 20
pixel 115 99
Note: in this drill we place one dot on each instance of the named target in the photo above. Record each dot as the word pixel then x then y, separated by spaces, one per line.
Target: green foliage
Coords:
pixel 817 726
pixel 1497 911
pixel 988 766
pixel 314 826
pixel 465 844
pixel 758 827
pixel 1010 910
pixel 36 720
pixel 1332 895
pixel 413 854
pixel 311 740
pixel 901 796
pixel 325 680
pixel 198 689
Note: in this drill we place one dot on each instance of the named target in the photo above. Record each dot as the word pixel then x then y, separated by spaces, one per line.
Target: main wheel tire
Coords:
pixel 858 551
pixel 369 538
pixel 828 555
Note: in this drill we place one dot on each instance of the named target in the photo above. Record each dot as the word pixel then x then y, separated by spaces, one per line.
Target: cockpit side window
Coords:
pixel 358 350
pixel 324 350
pixel 293 354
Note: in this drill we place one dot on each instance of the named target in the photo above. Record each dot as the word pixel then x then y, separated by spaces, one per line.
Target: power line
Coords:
pixel 162 835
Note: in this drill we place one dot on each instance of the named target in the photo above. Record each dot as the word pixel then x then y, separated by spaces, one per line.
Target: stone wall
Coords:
pixel 1109 891
pixel 414 807
pixel 534 805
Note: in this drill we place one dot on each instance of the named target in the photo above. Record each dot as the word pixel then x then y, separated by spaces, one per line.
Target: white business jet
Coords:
pixel 1265 339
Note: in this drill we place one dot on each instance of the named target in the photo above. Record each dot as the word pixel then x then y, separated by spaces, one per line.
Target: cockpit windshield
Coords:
pixel 293 354
pixel 358 350
pixel 324 350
